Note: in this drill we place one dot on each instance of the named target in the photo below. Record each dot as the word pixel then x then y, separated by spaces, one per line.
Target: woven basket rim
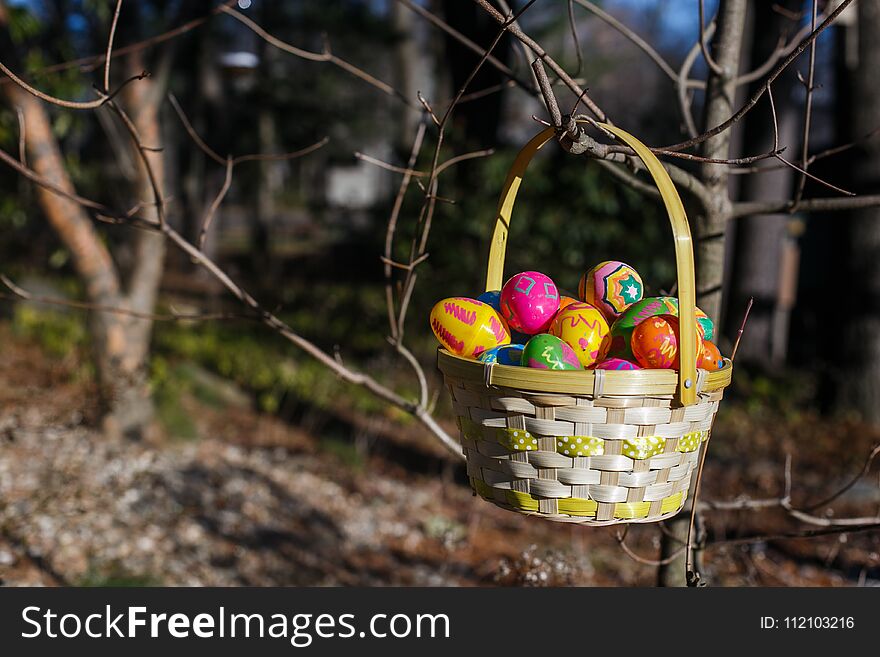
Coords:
pixel 577 382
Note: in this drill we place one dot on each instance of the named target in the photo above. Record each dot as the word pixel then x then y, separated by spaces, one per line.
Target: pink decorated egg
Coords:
pixel 616 364
pixel 529 302
pixel 611 286
pixel 468 327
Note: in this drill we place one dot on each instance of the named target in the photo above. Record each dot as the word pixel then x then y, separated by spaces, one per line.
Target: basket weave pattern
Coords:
pixel 583 459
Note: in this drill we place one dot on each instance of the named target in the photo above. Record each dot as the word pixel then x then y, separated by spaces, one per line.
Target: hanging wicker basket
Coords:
pixel 594 447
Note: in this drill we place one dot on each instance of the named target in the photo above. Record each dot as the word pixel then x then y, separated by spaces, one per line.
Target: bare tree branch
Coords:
pixel 724 125
pixel 326 56
pixel 109 54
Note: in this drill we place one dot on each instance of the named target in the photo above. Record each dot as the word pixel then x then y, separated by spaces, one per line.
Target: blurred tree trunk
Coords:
pixel 406 59
pixel 120 343
pixel 861 387
pixel 710 231
pixel 479 118
pixel 761 240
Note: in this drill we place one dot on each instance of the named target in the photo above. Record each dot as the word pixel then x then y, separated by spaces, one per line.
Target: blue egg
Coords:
pixel 506 354
pixel 493 298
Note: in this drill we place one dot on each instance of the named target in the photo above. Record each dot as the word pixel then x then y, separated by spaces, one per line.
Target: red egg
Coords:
pixel 710 357
pixel 654 342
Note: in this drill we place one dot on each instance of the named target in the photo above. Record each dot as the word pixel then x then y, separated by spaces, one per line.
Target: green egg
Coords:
pixel 547 352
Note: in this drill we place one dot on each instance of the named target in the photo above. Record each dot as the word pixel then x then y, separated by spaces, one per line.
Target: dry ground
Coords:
pixel 254 501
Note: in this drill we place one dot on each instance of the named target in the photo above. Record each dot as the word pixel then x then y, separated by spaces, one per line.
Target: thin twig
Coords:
pixel 215 204
pixel 742 327
pixel 392 225
pixel 103 98
pixel 865 469
pixel 575 39
pixel 327 56
pixel 682 89
pixel 752 101
pixel 207 150
pixel 19 293
pixel 621 541
pixel 808 114
pixel 91 62
pixel 109 54
pixel 711 63
pixel 631 35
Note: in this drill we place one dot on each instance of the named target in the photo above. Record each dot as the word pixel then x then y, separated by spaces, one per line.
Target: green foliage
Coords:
pixel 58 333
pixel 170 384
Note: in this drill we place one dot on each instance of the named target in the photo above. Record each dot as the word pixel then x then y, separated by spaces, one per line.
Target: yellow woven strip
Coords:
pixel 481 488
pixel 644 447
pixel 580 446
pixel 577 506
pixel 521 501
pixel 705 435
pixel 640 509
pixel 672 502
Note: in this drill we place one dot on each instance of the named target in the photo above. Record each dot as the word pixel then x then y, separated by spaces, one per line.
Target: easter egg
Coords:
pixel 493 298
pixel 583 327
pixel 506 354
pixel 616 364
pixel 547 352
pixel 468 327
pixel 654 342
pixel 622 328
pixel 611 286
pixel 707 326
pixel 709 357
pixel 565 302
pixel 529 301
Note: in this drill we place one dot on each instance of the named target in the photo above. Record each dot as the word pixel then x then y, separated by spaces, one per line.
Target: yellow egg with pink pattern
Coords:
pixel 611 286
pixel 468 327
pixel 583 327
pixel 529 302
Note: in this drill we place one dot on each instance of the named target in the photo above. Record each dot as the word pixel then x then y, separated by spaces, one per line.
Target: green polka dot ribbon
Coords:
pixel 580 446
pixel 643 447
pixel 517 440
pixel 691 441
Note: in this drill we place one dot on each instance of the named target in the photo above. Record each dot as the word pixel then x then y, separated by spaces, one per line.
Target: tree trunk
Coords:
pixel 861 387
pixel 762 240
pixel 119 343
pixel 710 232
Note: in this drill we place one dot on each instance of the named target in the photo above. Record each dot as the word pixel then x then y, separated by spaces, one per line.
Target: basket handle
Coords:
pixel 684 252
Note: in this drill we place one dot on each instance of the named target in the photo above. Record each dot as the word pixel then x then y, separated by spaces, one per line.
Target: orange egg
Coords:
pixel 565 301
pixel 654 342
pixel 710 357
